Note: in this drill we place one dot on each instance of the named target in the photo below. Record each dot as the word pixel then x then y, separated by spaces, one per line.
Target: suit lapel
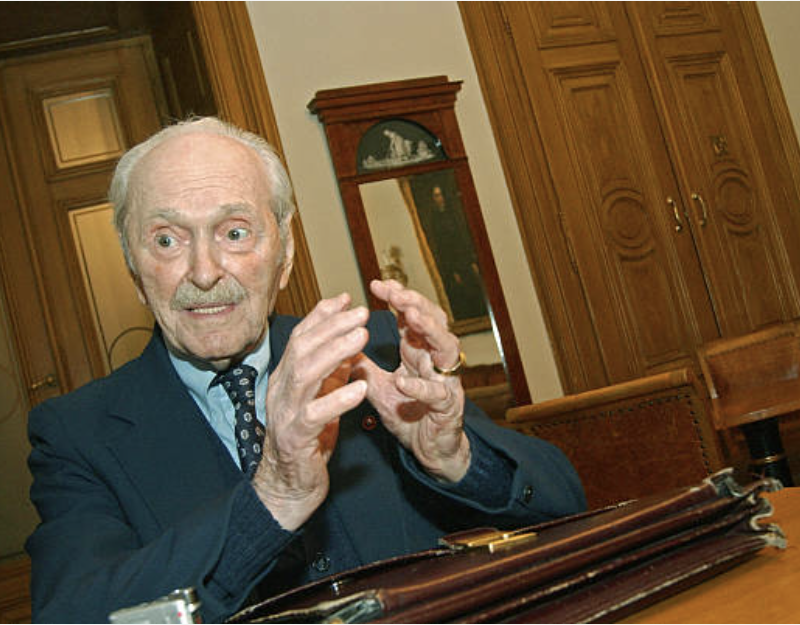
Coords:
pixel 361 475
pixel 166 433
pixel 159 428
pixel 280 329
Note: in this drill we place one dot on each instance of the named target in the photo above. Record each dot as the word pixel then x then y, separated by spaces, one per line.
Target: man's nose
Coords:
pixel 206 264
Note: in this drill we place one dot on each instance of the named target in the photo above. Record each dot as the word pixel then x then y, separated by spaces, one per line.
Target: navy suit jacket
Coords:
pixel 138 496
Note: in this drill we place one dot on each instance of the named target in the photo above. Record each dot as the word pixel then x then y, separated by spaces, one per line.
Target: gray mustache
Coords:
pixel 190 296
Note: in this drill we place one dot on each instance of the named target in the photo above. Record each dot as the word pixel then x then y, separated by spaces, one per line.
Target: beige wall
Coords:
pixel 308 46
pixel 781 22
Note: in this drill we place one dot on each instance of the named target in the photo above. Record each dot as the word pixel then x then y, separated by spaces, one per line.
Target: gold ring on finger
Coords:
pixel 454 370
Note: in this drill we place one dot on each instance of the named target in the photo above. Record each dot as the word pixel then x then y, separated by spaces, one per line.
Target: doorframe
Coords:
pixel 242 98
pixel 546 242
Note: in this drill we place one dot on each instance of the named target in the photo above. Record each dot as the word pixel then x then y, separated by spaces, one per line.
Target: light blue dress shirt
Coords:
pixel 214 402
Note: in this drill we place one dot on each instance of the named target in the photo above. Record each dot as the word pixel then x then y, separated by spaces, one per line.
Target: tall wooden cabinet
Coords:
pixel 648 175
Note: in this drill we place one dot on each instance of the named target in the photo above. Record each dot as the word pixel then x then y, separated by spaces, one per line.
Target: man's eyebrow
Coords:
pixel 172 214
pixel 165 213
pixel 237 207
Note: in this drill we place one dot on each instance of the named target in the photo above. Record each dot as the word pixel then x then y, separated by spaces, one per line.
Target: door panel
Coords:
pixel 723 164
pixel 611 163
pixel 17 515
pixel 123 325
pixel 640 276
pixel 69 116
pixel 83 127
pixel 737 231
pixel 24 299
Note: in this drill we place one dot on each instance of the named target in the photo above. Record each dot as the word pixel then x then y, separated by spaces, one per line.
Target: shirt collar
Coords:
pixel 199 380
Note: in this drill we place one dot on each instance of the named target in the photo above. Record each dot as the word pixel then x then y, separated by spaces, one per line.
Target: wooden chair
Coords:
pixel 631 439
pixel 752 380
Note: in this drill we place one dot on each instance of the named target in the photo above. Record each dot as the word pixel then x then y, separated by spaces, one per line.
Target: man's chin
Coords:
pixel 209 356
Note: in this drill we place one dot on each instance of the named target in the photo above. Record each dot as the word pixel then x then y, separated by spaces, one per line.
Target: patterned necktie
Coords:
pixel 240 384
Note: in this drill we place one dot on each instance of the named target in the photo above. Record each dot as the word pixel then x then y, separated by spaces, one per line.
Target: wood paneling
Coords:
pixel 15 597
pixel 645 163
pixel 717 131
pixel 49 187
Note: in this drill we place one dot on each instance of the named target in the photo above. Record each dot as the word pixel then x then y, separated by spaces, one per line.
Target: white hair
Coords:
pixel 281 194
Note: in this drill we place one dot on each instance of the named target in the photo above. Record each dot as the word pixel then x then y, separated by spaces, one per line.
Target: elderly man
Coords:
pixel 245 449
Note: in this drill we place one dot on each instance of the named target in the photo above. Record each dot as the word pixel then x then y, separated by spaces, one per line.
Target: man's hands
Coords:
pixel 308 391
pixel 312 387
pixel 422 408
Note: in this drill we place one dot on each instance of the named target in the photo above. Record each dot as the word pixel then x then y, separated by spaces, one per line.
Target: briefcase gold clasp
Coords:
pixel 488 538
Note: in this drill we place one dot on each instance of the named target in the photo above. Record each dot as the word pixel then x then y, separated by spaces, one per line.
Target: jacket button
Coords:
pixel 369 423
pixel 321 563
pixel 527 493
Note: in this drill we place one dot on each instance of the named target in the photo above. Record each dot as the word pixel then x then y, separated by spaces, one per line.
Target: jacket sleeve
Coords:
pixel 89 559
pixel 512 476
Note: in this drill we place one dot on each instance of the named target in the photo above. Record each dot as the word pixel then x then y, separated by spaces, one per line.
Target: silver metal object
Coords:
pixel 179 606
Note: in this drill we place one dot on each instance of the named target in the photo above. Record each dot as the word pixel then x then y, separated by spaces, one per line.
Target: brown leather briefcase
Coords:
pixel 596 566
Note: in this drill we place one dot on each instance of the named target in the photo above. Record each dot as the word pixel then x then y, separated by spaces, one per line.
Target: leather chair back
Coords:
pixel 632 439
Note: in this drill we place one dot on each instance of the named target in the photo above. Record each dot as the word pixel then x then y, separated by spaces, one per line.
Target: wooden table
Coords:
pixel 765 589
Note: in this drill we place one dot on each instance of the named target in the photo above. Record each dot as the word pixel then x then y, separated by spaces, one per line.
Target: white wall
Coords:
pixel 308 46
pixel 781 22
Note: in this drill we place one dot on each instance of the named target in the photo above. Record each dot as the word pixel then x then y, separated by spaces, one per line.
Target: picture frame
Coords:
pixel 397 150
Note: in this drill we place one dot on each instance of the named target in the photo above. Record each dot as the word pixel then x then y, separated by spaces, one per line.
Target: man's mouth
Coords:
pixel 210 310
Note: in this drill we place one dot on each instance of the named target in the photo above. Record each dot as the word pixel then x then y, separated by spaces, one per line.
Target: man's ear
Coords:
pixel 288 253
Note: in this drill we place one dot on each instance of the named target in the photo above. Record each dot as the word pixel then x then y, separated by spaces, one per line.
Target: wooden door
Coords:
pixel 615 187
pixel 720 140
pixel 68 116
pixel 619 132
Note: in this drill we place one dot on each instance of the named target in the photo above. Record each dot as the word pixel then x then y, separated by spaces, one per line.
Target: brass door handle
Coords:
pixel 704 214
pixel 676 213
pixel 49 380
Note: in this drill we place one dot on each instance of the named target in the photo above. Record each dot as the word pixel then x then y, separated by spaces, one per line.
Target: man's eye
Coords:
pixel 237 234
pixel 165 240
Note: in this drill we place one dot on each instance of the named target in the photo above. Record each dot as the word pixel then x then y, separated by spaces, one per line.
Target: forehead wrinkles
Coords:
pixel 224 211
pixel 200 164
pixel 172 191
